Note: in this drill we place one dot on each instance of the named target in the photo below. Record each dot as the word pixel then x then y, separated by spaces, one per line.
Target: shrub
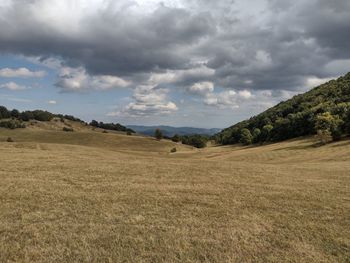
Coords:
pixel 173 150
pixel 66 129
pixel 324 136
pixel 104 131
pixel 12 124
pixel 9 139
pixel 129 133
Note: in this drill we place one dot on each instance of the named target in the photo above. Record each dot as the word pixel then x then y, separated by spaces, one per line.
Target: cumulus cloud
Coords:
pixel 13 86
pixel 148 101
pixel 202 88
pixel 224 99
pixel 227 99
pixel 77 79
pixel 21 73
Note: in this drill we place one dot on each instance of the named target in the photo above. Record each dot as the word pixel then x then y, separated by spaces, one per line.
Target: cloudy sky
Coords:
pixel 176 62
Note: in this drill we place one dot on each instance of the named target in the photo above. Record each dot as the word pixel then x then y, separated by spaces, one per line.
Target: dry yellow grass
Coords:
pixel 93 197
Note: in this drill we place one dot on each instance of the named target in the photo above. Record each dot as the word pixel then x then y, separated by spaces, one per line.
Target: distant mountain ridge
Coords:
pixel 171 131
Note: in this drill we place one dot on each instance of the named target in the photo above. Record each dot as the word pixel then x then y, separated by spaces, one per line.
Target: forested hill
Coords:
pixel 324 110
pixel 13 119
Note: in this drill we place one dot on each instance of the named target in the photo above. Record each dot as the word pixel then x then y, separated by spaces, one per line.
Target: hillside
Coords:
pixel 170 131
pixel 89 196
pixel 13 119
pixel 86 135
pixel 324 109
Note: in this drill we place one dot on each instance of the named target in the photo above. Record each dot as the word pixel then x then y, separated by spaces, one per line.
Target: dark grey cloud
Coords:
pixel 110 41
pixel 257 45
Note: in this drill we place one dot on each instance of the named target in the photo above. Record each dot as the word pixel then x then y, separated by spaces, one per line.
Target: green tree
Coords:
pixel 327 124
pixel 266 132
pixel 176 138
pixel 246 137
pixel 158 134
pixel 256 135
pixel 4 113
pixel 15 113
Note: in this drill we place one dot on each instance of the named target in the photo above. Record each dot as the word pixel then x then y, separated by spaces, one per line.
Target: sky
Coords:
pixel 192 63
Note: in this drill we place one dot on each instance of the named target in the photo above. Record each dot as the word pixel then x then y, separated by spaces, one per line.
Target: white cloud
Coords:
pixel 225 99
pixel 52 102
pixel 21 73
pixel 202 88
pixel 338 67
pixel 200 72
pixel 313 82
pixel 13 86
pixel 245 94
pixel 77 79
pixel 148 101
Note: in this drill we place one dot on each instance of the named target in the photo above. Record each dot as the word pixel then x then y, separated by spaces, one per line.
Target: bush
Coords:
pixel 129 133
pixel 9 139
pixel 173 150
pixel 104 131
pixel 66 129
pixel 324 136
pixel 12 124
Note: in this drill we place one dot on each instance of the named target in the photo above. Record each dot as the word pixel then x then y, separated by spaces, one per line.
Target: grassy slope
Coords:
pixel 96 197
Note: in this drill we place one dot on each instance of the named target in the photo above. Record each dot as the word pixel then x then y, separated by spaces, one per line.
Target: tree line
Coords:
pixel 195 140
pixel 111 126
pixel 325 111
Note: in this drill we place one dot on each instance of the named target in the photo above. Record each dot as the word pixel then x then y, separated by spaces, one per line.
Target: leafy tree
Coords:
pixel 158 134
pixel 266 132
pixel 176 138
pixel 4 113
pixel 246 137
pixel 26 116
pixel 256 135
pixel 110 126
pixel 94 123
pixel 326 123
pixel 195 140
pixel 15 113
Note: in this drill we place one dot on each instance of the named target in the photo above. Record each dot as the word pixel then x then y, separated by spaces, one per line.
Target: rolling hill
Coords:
pixel 90 196
pixel 325 108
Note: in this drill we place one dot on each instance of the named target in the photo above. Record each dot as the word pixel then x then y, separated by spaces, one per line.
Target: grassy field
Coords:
pixel 88 196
